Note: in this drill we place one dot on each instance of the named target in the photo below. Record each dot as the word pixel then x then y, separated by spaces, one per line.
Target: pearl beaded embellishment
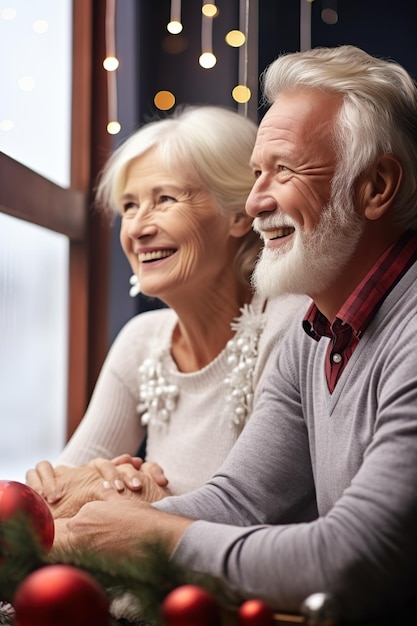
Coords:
pixel 242 353
pixel 157 396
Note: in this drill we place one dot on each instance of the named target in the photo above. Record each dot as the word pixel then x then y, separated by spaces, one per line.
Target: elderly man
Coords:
pixel 320 491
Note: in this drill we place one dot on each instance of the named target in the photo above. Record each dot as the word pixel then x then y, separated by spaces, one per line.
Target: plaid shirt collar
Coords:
pixel 362 305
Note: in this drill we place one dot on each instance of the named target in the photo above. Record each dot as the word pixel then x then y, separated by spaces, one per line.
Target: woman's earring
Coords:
pixel 135 288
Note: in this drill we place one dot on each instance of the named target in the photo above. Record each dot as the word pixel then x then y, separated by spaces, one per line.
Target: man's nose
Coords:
pixel 259 201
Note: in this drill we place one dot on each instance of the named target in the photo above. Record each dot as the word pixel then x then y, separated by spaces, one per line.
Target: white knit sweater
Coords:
pixel 193 437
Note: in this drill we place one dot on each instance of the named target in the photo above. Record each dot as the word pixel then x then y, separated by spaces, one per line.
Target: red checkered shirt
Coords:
pixel 359 309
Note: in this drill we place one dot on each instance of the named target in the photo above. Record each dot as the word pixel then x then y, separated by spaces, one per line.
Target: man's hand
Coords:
pixel 102 527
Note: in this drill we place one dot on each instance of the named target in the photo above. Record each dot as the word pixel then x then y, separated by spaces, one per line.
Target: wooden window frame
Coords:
pixel 29 196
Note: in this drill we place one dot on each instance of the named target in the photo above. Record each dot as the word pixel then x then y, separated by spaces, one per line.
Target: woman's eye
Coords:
pixel 129 206
pixel 163 199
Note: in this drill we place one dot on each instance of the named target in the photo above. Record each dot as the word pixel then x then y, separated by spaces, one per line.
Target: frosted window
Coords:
pixel 35 79
pixel 33 345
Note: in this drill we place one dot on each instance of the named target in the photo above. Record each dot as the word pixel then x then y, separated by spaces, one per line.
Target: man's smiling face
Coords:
pixel 308 238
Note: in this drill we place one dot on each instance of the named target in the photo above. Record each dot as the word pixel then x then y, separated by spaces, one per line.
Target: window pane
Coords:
pixel 33 339
pixel 35 79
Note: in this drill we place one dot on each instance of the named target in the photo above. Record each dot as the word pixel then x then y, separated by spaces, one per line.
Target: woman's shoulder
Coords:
pixel 287 306
pixel 281 313
pixel 147 325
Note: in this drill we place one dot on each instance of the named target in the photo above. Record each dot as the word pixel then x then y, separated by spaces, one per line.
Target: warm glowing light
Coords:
pixel 111 64
pixel 207 60
pixel 113 128
pixel 174 27
pixel 40 27
pixel 174 44
pixel 235 38
pixel 329 16
pixel 241 93
pixel 209 9
pixel 9 13
pixel 164 100
pixel 27 83
pixel 6 125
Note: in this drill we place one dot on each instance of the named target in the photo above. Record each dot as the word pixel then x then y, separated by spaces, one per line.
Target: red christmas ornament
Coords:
pixel 60 595
pixel 190 605
pixel 16 498
pixel 255 613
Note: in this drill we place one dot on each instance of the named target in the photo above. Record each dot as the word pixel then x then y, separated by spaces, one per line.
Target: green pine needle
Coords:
pixel 147 579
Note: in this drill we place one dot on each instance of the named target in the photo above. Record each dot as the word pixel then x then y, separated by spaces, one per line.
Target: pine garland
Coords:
pixel 147 579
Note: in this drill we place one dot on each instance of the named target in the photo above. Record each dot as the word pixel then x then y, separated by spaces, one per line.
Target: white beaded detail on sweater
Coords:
pixel 242 353
pixel 158 396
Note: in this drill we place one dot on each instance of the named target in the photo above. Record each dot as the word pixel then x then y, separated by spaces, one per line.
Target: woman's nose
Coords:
pixel 141 224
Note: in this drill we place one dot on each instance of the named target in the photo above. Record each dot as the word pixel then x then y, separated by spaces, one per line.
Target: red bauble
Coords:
pixel 190 605
pixel 19 498
pixel 255 613
pixel 60 595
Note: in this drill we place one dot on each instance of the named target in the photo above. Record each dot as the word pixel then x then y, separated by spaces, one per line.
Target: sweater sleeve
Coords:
pixel 254 537
pixel 111 424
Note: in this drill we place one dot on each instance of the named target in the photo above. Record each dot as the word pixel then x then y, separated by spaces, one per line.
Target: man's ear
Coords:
pixel 240 224
pixel 381 186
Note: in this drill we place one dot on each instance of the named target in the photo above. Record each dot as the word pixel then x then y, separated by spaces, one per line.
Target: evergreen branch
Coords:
pixel 20 554
pixel 145 580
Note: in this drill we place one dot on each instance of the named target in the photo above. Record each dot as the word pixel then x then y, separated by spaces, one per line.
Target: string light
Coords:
pixel 113 128
pixel 209 9
pixel 174 26
pixel 241 93
pixel 235 38
pixel 110 64
pixel 305 25
pixel 207 59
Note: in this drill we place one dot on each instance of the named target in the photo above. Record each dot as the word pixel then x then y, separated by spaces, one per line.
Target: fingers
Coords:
pixel 156 472
pixel 119 476
pixel 136 461
pixel 43 480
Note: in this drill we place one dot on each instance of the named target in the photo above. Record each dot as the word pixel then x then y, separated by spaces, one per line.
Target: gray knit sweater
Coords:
pixel 320 491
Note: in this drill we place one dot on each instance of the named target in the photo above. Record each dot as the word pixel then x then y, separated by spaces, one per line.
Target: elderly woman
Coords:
pixel 184 377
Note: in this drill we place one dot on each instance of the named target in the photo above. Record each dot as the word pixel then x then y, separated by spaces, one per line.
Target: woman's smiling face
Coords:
pixel 171 231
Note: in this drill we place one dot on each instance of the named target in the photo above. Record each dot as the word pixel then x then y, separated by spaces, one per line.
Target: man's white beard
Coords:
pixel 310 262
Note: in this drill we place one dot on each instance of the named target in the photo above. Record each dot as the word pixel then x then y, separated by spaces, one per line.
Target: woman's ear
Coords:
pixel 381 186
pixel 240 224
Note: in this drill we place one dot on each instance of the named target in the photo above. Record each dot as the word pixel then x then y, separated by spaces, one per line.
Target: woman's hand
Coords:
pixel 43 479
pixel 67 489
pixel 122 472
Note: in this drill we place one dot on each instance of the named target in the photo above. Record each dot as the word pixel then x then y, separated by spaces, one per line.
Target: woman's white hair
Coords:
pixel 208 146
pixel 378 115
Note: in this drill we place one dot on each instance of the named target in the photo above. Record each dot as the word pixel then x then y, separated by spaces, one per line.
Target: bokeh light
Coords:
pixel 241 94
pixel 164 100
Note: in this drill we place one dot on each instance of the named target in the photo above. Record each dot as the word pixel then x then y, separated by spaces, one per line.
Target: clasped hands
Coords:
pixel 66 489
pixel 80 499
